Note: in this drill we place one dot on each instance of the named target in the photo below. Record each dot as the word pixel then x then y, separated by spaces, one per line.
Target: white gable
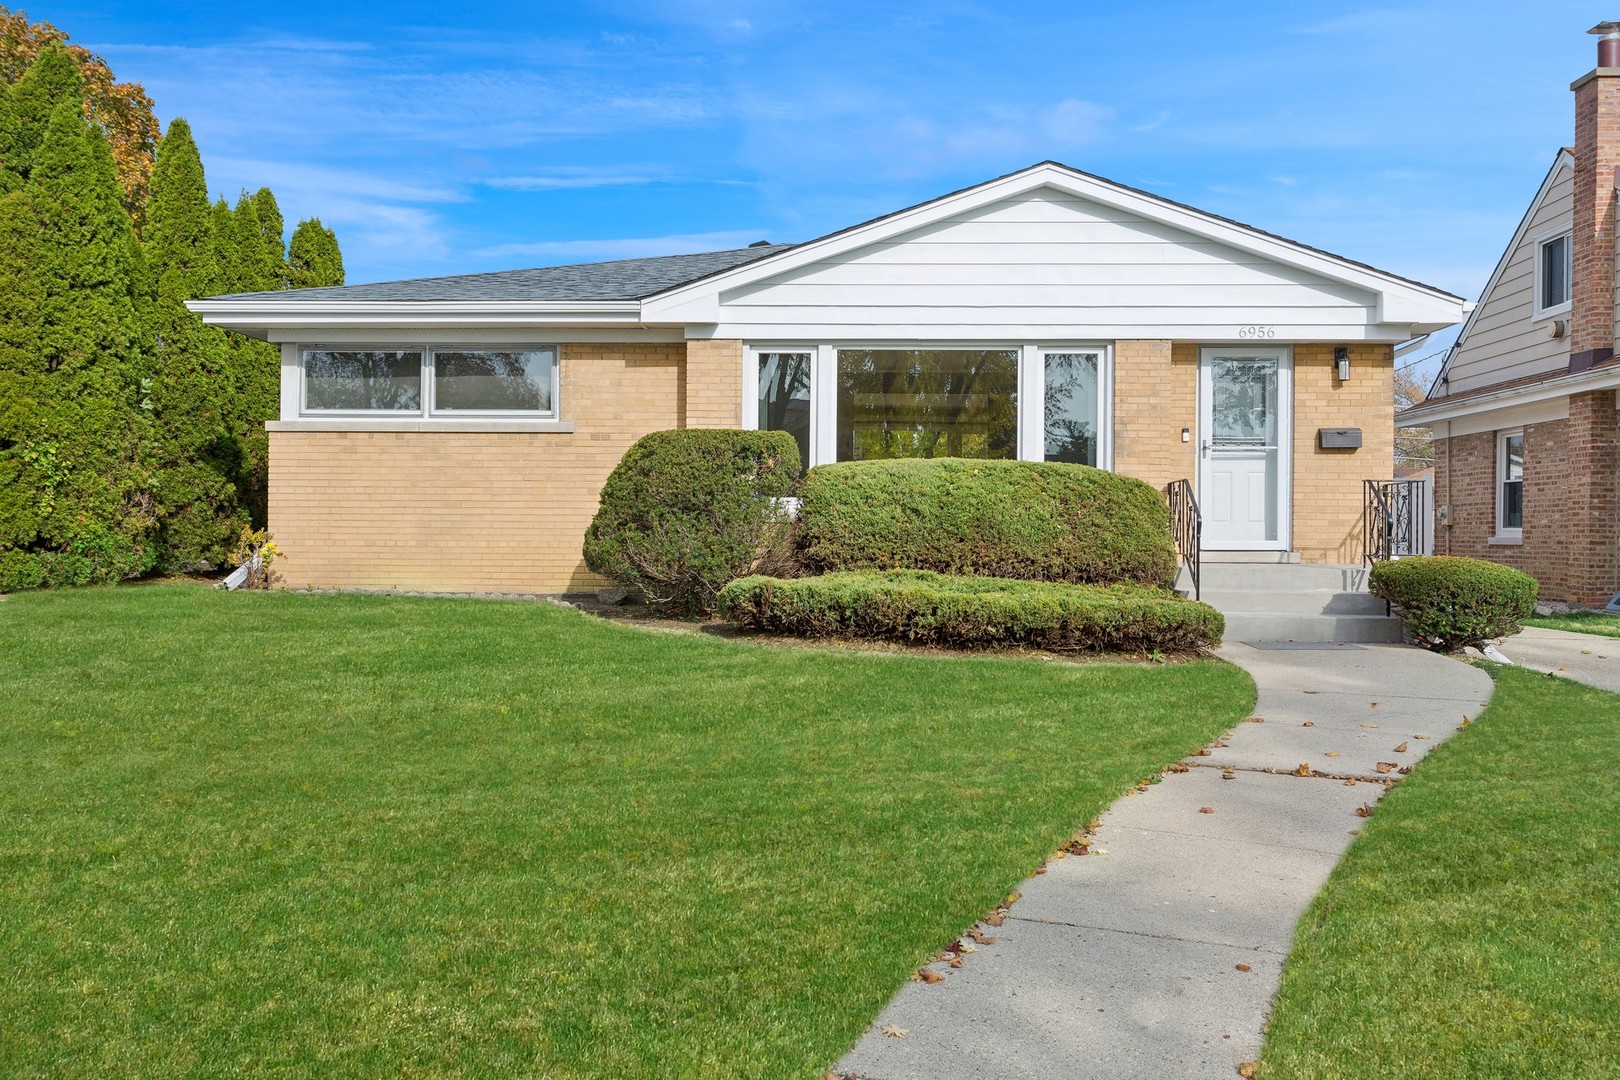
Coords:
pixel 1045 264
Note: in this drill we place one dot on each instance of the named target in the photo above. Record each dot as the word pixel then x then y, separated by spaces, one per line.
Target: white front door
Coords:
pixel 1245 404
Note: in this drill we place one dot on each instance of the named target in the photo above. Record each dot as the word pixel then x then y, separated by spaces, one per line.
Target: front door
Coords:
pixel 1244 409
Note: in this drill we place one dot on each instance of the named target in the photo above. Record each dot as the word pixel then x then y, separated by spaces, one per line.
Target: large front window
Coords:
pixel 1073 408
pixel 924 403
pixel 488 382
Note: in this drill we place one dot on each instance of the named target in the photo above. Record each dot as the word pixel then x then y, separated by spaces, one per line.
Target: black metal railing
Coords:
pixel 1186 527
pixel 1394 510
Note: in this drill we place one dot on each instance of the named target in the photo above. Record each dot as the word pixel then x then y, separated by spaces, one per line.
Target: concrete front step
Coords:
pixel 1271 626
pixel 1294 601
pixel 1220 577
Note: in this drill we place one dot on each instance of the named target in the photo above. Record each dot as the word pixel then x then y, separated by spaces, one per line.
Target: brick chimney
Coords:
pixel 1597 157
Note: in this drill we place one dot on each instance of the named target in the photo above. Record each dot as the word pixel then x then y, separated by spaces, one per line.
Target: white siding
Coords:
pixel 1046 264
pixel 1505 341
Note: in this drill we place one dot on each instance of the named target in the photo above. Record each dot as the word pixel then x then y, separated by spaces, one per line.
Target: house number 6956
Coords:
pixel 1253 332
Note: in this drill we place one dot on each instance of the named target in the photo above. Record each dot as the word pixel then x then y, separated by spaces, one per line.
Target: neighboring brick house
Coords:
pixel 454 433
pixel 1527 458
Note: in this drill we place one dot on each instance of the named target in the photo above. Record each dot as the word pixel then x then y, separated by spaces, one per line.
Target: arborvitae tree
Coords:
pixel 272 231
pixel 314 256
pixel 9 179
pixel 24 479
pixel 198 450
pixel 255 267
pixel 50 81
pixel 79 445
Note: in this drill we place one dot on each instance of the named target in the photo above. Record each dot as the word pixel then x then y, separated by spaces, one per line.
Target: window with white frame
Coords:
pixel 1510 484
pixel 434 381
pixel 863 402
pixel 1554 263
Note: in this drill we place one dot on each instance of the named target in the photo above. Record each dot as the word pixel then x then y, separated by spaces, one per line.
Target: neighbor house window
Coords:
pixel 784 396
pixel 1553 273
pixel 925 403
pixel 432 382
pixel 1072 420
pixel 1510 483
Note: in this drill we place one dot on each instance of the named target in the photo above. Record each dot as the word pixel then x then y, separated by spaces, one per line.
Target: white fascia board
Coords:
pixel 1563 157
pixel 263 315
pixel 699 301
pixel 1554 386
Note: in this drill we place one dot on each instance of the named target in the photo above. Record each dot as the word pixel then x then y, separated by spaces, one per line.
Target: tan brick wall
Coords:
pixel 464 511
pixel 714 384
pixel 1155 396
pixel 1327 503
pixel 1571 525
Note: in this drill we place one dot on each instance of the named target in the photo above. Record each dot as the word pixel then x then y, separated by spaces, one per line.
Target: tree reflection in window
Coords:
pixel 903 403
pixel 1243 401
pixel 491 381
pixel 1071 407
pixel 362 381
pixel 784 397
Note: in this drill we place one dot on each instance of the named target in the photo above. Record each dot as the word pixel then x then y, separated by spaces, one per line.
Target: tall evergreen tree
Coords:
pixel 51 80
pixel 314 256
pixel 272 229
pixel 256 267
pixel 10 179
pixel 75 443
pixel 25 479
pixel 198 450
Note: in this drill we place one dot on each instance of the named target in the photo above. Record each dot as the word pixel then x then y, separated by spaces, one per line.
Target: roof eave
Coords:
pixel 1557 385
pixel 248 315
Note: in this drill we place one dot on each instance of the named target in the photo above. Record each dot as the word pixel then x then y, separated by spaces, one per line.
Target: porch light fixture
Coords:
pixel 1341 363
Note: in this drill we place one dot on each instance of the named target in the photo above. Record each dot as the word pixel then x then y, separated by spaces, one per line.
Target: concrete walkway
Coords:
pixel 1588 658
pixel 1158 954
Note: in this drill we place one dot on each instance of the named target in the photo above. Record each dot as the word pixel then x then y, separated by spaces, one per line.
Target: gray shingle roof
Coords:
pixel 622 279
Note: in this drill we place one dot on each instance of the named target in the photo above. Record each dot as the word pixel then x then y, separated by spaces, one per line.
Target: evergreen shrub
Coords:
pixel 1036 521
pixel 686 511
pixel 1450 602
pixel 922 607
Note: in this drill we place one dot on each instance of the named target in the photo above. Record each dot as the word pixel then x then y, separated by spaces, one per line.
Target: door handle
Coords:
pixel 1203 447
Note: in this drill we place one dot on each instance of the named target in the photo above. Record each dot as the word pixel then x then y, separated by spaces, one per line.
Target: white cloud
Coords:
pixel 559 183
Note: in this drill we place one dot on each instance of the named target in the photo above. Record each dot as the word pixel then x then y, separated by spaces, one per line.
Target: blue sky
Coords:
pixel 447 138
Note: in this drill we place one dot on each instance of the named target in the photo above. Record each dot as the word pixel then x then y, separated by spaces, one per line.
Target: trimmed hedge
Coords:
pixel 686 511
pixel 922 607
pixel 1450 602
pixel 1035 521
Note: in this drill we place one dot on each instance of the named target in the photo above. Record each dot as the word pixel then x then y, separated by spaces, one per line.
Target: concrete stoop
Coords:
pixel 1295 602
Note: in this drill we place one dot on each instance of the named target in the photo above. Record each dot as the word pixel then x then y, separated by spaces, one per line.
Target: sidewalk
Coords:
pixel 1587 658
pixel 1158 954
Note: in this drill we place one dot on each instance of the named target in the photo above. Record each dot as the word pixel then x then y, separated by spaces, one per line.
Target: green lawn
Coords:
pixel 361 836
pixel 1471 930
pixel 1579 622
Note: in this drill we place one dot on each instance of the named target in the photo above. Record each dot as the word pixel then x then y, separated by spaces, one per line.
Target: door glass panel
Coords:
pixel 784 397
pixel 1071 407
pixel 1243 401
pixel 905 403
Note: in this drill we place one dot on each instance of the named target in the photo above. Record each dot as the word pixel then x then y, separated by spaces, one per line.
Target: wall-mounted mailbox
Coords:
pixel 1339 438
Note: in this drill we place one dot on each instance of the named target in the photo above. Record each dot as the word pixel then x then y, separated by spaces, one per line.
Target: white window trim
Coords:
pixel 1504 535
pixel 427 416
pixel 1031 389
pixel 1539 242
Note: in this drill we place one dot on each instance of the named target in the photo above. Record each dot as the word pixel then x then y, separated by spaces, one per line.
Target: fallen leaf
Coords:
pixel 1228 774
pixel 1421 737
pixel 1244 967
pixel 1254 720
pixel 965 948
pixel 1364 810
pixel 1178 767
pixel 1405 769
pixel 955 962
pixel 1308 723
pixel 1012 898
pixel 1206 809
pixel 929 975
pixel 1330 753
pixel 1304 769
pixel 895 1032
pixel 1202 753
pixel 1248 1070
pixel 1386 767
pixel 1349 783
pixel 981 938
pixel 995 919
pixel 1368 724
pixel 1401 749
pixel 1373 704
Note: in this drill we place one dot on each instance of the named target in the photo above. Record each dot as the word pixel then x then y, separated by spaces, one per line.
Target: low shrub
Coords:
pixel 686 511
pixel 1036 521
pixel 939 609
pixel 95 559
pixel 1450 602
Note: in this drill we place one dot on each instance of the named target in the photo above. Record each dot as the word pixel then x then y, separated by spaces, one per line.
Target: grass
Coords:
pixel 1578 622
pixel 357 836
pixel 1470 931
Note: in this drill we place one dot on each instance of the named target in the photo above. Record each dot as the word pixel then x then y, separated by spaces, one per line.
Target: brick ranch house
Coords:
pixel 1527 448
pixel 454 433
